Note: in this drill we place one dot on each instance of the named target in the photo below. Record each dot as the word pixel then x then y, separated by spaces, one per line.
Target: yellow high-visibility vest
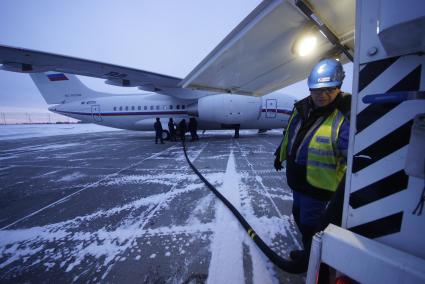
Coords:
pixel 325 168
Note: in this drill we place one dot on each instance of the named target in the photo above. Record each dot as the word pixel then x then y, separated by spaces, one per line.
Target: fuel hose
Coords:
pixel 282 263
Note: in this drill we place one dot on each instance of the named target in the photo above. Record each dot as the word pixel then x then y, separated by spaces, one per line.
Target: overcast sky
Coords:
pixel 167 37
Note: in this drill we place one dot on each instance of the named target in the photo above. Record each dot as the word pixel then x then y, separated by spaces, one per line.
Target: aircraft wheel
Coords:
pixel 165 135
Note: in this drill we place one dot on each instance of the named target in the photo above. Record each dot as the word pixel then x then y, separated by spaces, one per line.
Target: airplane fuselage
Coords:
pixel 223 111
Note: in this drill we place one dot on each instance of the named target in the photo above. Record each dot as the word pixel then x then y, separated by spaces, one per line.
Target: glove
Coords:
pixel 277 164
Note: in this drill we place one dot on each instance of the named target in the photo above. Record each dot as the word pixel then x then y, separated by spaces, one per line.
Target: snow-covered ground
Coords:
pixel 115 207
pixel 19 131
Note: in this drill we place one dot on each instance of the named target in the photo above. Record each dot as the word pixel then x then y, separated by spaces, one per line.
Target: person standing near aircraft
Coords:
pixel 193 128
pixel 182 129
pixel 172 129
pixel 315 149
pixel 236 131
pixel 158 131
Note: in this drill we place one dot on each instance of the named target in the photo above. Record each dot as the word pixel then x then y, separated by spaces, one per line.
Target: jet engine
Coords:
pixel 227 108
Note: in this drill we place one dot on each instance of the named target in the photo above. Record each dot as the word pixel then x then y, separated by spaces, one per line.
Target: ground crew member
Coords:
pixel 315 149
pixel 172 129
pixel 236 131
pixel 182 129
pixel 158 131
pixel 193 128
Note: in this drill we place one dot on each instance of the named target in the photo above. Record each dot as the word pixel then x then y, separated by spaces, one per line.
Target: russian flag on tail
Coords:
pixel 57 77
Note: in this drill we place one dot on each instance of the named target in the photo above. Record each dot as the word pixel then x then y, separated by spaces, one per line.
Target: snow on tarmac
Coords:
pixel 226 264
pixel 150 228
pixel 226 260
pixel 8 132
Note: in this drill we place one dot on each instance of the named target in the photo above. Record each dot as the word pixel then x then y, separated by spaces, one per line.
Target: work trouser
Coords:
pixel 308 213
pixel 158 135
pixel 194 135
pixel 172 135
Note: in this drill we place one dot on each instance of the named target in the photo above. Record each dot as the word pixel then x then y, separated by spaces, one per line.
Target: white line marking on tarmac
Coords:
pixel 226 265
pixel 84 188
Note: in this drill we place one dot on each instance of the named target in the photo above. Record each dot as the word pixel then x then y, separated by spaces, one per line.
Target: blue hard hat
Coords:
pixel 327 73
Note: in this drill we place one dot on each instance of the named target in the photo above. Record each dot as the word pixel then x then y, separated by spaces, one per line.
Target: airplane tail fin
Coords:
pixel 58 88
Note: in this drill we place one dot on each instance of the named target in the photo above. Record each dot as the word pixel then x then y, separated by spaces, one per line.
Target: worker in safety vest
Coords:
pixel 315 149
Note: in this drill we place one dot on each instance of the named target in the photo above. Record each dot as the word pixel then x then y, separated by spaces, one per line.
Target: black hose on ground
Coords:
pixel 284 264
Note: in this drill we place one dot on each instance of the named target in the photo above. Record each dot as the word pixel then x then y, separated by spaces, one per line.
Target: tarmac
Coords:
pixel 115 207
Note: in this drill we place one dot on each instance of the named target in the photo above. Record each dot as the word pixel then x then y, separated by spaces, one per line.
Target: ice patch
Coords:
pixel 71 177
pixel 46 174
pixel 8 157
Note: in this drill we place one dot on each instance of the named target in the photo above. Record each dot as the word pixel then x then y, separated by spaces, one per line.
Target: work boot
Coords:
pixel 298 265
pixel 296 254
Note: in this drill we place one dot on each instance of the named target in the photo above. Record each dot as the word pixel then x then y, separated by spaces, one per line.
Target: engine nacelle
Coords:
pixel 229 108
pixel 120 82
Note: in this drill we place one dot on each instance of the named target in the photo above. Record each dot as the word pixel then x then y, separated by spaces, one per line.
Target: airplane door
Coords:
pixel 271 108
pixel 95 112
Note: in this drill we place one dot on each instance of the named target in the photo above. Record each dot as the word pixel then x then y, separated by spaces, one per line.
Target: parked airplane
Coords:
pixel 138 112
pixel 231 88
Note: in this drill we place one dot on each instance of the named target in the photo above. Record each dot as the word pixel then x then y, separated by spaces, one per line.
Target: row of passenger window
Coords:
pixel 150 107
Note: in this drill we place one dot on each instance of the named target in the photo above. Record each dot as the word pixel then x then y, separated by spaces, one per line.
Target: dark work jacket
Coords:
pixel 182 127
pixel 193 125
pixel 296 174
pixel 158 127
pixel 171 127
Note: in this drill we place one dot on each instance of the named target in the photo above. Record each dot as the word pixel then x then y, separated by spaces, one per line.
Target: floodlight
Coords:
pixel 306 45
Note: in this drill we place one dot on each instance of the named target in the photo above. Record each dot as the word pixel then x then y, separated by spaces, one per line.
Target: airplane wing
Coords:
pixel 258 56
pixel 26 60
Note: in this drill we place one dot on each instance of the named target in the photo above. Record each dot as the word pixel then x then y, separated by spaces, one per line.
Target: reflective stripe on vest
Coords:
pixel 284 145
pixel 324 167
